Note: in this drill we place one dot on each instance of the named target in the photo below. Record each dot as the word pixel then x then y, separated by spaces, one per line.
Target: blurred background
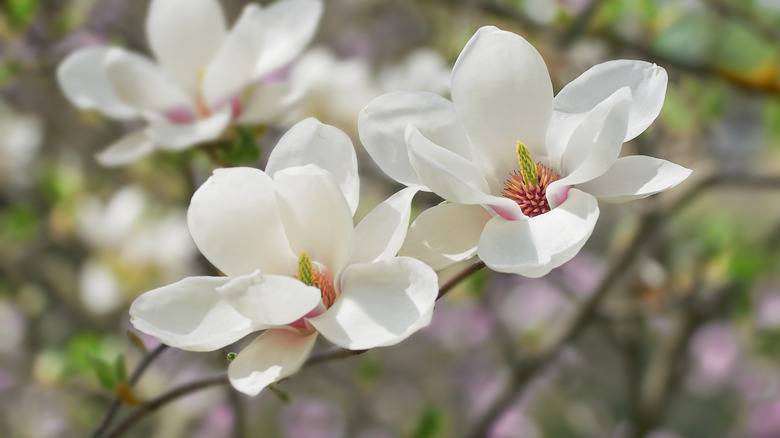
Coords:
pixel 675 298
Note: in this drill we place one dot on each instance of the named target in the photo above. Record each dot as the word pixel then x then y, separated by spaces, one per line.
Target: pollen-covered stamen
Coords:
pixel 322 279
pixel 532 199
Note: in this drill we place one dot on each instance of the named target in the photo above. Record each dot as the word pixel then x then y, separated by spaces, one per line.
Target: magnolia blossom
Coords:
pixel 205 77
pixel 522 170
pixel 295 264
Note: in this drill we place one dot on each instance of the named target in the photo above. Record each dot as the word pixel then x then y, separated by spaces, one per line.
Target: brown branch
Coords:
pixel 157 403
pixel 116 403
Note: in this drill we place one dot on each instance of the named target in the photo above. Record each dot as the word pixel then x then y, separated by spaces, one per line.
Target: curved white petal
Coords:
pixel 451 176
pixel 595 145
pixel 289 27
pixel 503 94
pixel 270 300
pixel 140 83
pixel 83 80
pixel 185 38
pixel 126 150
pixel 234 220
pixel 272 356
pixel 532 247
pixel 647 83
pixel 446 234
pixel 311 142
pixel 173 136
pixel 382 126
pixel 381 233
pixel 316 216
pixel 190 315
pixel 635 177
pixel 379 302
pixel 232 68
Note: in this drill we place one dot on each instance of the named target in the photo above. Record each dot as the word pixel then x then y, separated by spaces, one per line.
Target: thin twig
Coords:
pixel 116 403
pixel 150 407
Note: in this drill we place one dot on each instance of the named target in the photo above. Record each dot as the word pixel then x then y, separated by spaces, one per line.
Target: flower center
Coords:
pixel 322 279
pixel 528 187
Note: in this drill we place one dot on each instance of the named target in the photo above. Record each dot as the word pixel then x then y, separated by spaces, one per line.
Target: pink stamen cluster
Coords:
pixel 324 282
pixel 531 199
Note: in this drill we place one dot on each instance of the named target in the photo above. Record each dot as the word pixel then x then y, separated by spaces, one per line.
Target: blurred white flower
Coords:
pixel 99 288
pixel 20 140
pixel 206 76
pixel 336 89
pixel 522 170
pixel 421 70
pixel 295 264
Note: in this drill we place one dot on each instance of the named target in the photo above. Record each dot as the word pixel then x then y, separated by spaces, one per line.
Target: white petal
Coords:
pixel 646 81
pixel 381 233
pixel 311 142
pixel 289 27
pixel 382 125
pixel 272 356
pixel 234 221
pixel 178 136
pixel 232 68
pixel 140 82
pixel 190 315
pixel 185 38
pixel 379 302
pixel 532 247
pixel 268 103
pixel 126 150
pixel 503 94
pixel 83 80
pixel 594 146
pixel 635 177
pixel 270 299
pixel 316 216
pixel 445 234
pixel 451 176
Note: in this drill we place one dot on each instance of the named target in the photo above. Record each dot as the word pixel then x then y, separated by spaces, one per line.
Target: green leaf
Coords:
pixel 244 149
pixel 104 372
pixel 20 12
pixel 120 369
pixel 231 356
pixel 430 424
pixel 283 396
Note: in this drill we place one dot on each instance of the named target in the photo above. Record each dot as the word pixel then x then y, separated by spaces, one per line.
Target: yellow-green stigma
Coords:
pixel 321 279
pixel 527 166
pixel 528 188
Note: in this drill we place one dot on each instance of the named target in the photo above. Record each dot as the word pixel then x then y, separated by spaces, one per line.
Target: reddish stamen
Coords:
pixel 532 200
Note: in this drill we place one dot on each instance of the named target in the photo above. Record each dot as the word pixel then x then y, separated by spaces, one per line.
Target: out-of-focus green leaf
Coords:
pixel 283 396
pixel 747 265
pixel 739 49
pixel 369 369
pixel 104 372
pixel 20 12
pixel 430 424
pixel 676 114
pixel 688 39
pixel 772 122
pixel 19 223
pixel 244 150
pixel 477 281
pixel 120 368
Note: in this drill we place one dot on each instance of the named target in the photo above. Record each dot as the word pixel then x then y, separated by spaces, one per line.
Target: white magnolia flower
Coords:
pixel 295 264
pixel 206 76
pixel 522 169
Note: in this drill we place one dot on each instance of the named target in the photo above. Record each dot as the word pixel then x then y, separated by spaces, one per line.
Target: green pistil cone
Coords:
pixel 305 271
pixel 527 166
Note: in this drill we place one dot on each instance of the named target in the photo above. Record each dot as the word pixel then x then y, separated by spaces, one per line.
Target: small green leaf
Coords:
pixel 430 425
pixel 231 356
pixel 120 368
pixel 244 149
pixel 104 372
pixel 283 396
